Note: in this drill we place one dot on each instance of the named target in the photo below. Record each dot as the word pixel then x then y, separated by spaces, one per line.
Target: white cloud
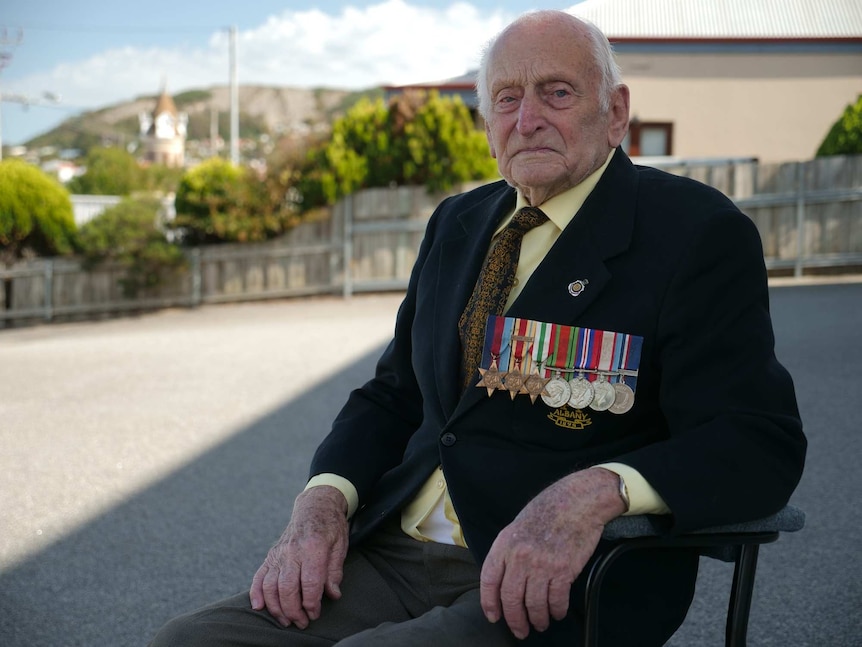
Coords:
pixel 392 42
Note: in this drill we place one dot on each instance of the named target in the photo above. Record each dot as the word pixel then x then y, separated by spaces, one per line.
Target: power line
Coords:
pixel 126 29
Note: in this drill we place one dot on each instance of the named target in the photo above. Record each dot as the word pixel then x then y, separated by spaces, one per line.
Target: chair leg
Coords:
pixel 593 589
pixel 740 596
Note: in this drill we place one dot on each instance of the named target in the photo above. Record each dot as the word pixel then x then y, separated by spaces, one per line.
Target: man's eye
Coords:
pixel 561 94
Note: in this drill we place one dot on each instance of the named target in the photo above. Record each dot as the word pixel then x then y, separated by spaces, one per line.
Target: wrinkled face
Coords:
pixel 545 125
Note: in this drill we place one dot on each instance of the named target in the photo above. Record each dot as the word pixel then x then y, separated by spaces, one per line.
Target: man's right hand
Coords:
pixel 306 561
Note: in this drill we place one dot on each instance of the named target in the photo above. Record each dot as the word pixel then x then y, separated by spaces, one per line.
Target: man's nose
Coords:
pixel 530 115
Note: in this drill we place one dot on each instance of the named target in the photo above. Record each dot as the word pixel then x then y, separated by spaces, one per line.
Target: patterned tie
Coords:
pixel 493 287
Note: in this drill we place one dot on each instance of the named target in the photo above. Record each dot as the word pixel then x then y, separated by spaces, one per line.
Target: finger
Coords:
pixel 311 586
pixel 290 596
pixel 489 587
pixel 512 593
pixel 334 576
pixel 559 592
pixel 272 598
pixel 536 603
pixel 255 593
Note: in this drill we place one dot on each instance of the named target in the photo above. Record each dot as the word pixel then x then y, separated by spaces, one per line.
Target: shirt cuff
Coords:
pixel 342 485
pixel 643 498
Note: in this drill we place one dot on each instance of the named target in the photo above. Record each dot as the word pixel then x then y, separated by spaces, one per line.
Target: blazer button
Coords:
pixel 448 439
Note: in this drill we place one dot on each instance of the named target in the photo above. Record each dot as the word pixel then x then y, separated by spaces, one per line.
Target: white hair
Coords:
pixel 609 71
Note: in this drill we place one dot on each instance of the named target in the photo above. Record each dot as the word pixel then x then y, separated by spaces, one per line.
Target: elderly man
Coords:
pixel 584 340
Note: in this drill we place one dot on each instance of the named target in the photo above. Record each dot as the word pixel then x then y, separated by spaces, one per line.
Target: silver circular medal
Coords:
pixel 604 395
pixel 624 400
pixel 557 392
pixel 582 392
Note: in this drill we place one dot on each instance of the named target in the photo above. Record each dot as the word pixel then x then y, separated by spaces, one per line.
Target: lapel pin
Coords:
pixel 576 287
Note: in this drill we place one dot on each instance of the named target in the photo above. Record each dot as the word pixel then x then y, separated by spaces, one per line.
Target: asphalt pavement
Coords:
pixel 147 463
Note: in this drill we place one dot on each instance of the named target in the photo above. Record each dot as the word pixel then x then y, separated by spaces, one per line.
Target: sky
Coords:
pixel 67 57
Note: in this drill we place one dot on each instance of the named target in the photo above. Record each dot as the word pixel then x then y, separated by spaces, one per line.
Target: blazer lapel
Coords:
pixel 600 230
pixel 461 257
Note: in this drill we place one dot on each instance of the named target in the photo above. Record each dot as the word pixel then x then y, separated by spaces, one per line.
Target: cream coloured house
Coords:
pixel 733 78
pixel 725 78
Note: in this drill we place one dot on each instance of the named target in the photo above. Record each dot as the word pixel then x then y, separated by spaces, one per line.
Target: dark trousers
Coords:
pixel 397 592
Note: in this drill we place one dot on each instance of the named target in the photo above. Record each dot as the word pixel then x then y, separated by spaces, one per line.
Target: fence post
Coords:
pixel 196 277
pixel 800 218
pixel 49 289
pixel 347 289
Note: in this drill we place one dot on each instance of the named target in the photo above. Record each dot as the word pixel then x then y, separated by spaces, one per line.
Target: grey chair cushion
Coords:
pixel 788 519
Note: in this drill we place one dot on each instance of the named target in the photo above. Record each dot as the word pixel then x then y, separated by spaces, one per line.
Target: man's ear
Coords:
pixel 618 115
pixel 490 141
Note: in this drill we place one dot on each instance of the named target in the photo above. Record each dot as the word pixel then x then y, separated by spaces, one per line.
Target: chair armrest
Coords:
pixel 788 519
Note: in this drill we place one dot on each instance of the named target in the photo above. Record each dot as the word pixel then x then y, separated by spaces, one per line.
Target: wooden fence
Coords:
pixel 809 215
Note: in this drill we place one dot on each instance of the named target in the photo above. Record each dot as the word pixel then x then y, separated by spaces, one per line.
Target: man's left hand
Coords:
pixel 528 573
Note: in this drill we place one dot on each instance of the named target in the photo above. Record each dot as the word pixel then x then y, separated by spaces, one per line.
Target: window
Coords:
pixel 648 139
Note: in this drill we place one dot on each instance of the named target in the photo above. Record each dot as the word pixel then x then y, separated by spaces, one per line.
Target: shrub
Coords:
pixel 110 171
pixel 219 202
pixel 418 138
pixel 845 136
pixel 128 235
pixel 35 213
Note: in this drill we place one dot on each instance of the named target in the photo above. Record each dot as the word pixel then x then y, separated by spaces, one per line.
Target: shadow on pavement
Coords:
pixel 187 540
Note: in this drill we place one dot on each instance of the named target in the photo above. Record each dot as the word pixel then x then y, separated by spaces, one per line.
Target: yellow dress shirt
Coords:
pixel 431 516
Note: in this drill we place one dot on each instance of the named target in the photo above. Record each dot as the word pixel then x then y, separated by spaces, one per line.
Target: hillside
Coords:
pixel 263 110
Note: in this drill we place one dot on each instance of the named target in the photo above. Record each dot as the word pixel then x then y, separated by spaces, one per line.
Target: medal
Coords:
pixel 557 392
pixel 604 352
pixel 626 356
pixel 520 342
pixel 492 378
pixel 604 394
pixel 514 383
pixel 624 398
pixel 535 382
pixel 582 393
pixel 557 363
pixel 534 385
pixel 579 355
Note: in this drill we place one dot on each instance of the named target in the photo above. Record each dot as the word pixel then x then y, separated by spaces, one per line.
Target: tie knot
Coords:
pixel 527 218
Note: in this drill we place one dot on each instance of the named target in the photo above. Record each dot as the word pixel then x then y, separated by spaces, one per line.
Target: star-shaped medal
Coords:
pixel 534 385
pixel 514 383
pixel 492 378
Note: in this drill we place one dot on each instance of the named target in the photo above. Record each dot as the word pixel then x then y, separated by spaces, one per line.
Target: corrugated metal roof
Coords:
pixel 724 19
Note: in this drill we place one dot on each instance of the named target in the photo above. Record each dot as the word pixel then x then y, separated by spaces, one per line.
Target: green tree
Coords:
pixel 443 146
pixel 158 178
pixel 340 166
pixel 110 171
pixel 35 213
pixel 419 138
pixel 128 235
pixel 845 136
pixel 220 202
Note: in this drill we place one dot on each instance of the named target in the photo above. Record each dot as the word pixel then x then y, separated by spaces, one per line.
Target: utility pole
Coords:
pixel 213 130
pixel 234 101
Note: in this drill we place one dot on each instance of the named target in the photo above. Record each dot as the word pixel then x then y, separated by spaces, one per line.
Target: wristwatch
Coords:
pixel 624 493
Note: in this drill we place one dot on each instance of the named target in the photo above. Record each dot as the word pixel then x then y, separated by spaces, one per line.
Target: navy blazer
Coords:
pixel 714 429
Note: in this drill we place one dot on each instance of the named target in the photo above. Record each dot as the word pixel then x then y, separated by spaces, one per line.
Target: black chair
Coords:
pixel 738 543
